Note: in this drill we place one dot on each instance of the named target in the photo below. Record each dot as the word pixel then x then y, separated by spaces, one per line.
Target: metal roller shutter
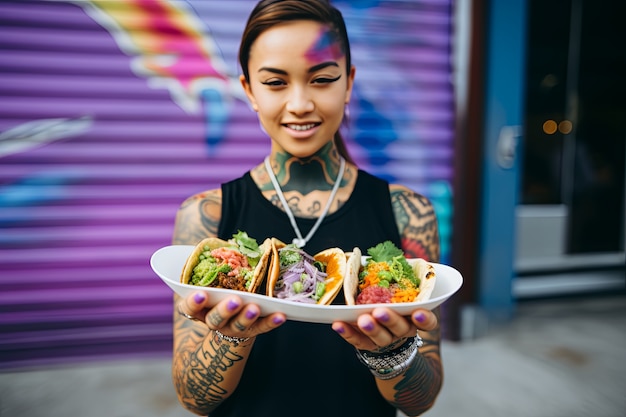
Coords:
pixel 101 138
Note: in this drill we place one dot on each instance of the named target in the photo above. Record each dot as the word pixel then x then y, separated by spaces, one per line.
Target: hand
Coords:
pixel 384 327
pixel 230 316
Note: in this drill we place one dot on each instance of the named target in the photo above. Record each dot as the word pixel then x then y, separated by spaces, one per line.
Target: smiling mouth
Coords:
pixel 301 128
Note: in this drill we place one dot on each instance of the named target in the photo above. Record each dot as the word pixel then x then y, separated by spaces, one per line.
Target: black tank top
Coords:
pixel 306 369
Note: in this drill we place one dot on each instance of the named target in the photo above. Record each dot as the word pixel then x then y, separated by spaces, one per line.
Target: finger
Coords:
pixel 222 312
pixel 396 324
pixel 378 334
pixel 193 306
pixel 268 323
pixel 353 336
pixel 246 317
pixel 424 319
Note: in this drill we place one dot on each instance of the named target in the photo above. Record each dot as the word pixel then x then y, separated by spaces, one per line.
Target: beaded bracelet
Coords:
pixel 230 339
pixel 390 364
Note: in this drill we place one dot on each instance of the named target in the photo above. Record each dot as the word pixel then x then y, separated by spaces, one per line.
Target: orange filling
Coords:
pixel 405 295
pixel 400 295
pixel 372 274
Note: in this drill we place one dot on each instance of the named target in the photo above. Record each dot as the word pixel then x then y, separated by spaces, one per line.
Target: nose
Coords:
pixel 300 101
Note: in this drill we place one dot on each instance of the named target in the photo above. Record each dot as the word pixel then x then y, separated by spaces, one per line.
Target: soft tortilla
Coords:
pixel 351 282
pixel 426 273
pixel 423 270
pixel 334 259
pixel 212 243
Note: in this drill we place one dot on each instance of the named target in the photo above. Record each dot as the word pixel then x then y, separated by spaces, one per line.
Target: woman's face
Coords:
pixel 298 85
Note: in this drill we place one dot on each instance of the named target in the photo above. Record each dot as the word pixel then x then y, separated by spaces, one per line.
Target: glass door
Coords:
pixel 571 216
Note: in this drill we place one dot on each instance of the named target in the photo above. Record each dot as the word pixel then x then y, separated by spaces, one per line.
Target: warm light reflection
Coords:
pixel 549 127
pixel 565 127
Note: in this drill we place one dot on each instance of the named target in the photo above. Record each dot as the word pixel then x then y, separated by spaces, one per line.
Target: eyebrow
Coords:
pixel 312 69
pixel 323 65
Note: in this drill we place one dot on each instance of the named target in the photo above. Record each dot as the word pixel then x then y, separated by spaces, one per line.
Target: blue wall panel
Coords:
pixel 504 92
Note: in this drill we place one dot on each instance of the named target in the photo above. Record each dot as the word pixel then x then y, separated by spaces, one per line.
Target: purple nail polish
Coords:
pixel 278 320
pixel 420 317
pixel 232 305
pixel 340 330
pixel 250 314
pixel 368 327
pixel 199 297
pixel 384 317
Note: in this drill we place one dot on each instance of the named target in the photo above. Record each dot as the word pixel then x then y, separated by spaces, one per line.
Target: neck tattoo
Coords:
pixel 299 241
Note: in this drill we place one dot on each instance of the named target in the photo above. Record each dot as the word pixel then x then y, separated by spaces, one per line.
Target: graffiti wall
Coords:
pixel 112 112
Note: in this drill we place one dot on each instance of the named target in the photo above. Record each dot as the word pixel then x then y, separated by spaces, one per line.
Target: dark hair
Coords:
pixel 269 13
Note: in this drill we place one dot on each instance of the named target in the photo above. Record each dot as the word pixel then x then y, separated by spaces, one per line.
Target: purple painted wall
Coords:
pixel 104 132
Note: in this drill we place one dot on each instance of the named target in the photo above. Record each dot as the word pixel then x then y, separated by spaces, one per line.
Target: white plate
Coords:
pixel 168 264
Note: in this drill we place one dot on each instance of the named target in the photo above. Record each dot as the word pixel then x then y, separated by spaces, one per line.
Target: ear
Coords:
pixel 246 89
pixel 350 83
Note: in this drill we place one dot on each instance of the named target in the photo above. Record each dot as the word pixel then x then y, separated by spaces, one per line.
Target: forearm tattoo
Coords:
pixel 202 363
pixel 418 388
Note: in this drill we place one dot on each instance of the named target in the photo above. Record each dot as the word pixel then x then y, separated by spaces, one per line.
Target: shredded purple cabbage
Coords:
pixel 302 273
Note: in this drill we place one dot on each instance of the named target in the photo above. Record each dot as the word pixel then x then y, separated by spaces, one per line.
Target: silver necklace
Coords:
pixel 299 241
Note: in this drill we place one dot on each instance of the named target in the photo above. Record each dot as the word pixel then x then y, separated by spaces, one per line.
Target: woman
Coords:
pixel 229 361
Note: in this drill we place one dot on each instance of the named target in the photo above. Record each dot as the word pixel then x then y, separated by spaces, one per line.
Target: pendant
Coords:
pixel 298 242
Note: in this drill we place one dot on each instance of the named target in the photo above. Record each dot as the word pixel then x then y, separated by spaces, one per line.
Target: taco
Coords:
pixel 238 264
pixel 297 276
pixel 387 277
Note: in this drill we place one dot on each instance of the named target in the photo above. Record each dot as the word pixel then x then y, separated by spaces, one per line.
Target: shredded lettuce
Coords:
pixel 248 246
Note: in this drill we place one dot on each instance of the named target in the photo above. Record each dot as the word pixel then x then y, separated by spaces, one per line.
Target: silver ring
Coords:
pixel 189 316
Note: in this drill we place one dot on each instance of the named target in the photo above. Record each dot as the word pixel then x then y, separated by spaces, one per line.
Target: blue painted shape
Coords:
pixel 504 97
pixel 216 116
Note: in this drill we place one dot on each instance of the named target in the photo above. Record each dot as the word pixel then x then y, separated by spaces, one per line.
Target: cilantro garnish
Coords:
pixel 399 267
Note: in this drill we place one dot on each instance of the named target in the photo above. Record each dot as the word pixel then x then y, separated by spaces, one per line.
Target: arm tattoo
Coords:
pixel 418 388
pixel 197 218
pixel 210 222
pixel 202 362
pixel 417 223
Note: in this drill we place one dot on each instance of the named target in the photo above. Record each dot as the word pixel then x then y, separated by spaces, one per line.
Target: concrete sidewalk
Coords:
pixel 557 358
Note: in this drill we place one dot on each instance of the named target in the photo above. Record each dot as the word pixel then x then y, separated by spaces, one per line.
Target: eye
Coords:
pixel 325 80
pixel 273 83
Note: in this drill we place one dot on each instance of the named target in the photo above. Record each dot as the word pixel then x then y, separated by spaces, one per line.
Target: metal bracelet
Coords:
pixel 230 339
pixel 394 371
pixel 387 365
